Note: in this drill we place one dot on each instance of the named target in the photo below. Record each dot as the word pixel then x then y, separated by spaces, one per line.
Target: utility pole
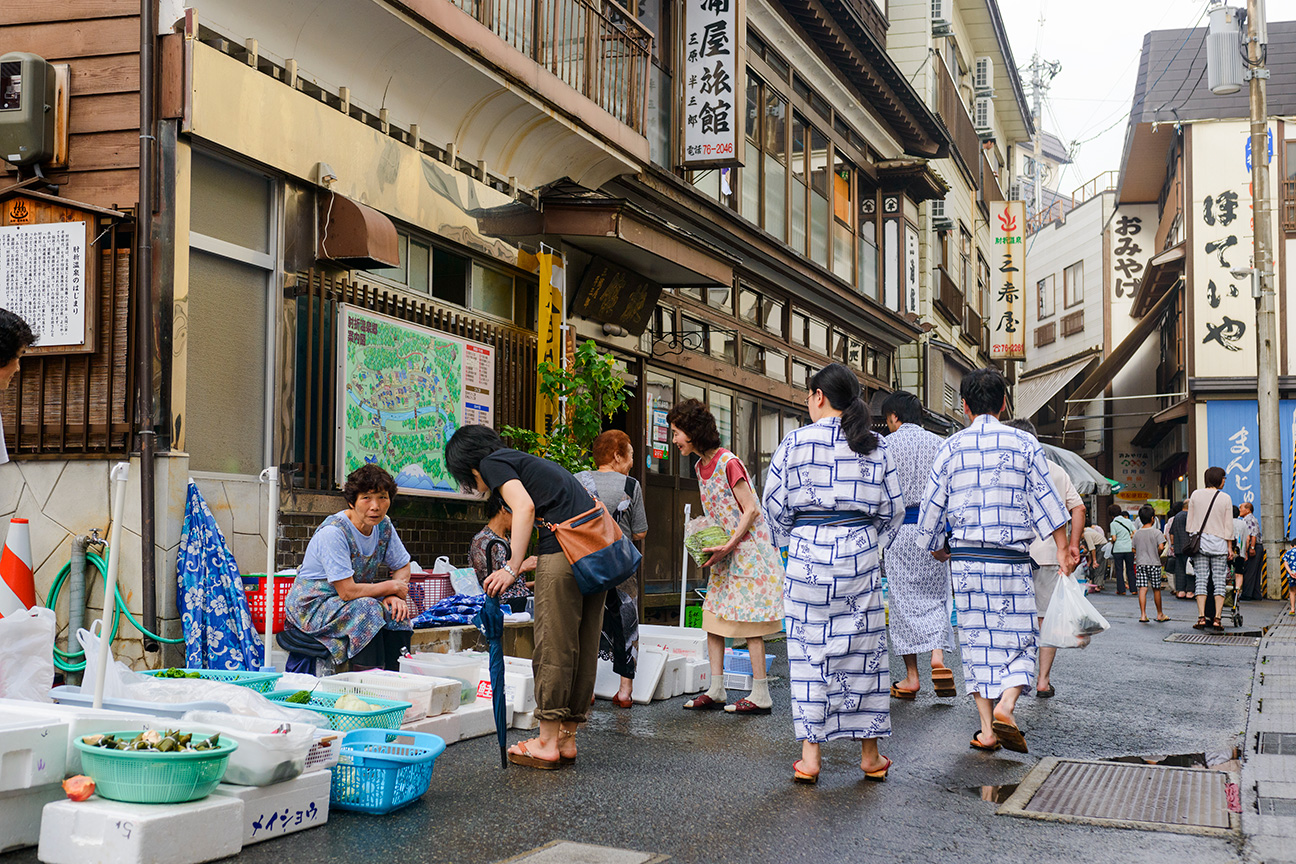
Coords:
pixel 1262 282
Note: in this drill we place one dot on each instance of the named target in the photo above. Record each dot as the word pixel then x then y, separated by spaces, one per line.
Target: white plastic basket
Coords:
pixel 324 752
pixel 400 687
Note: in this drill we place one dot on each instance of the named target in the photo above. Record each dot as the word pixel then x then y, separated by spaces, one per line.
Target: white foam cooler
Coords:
pixel 100 831
pixel 478 719
pixel 20 815
pixel 444 725
pixel 672 680
pixel 33 750
pixel 80 721
pixel 688 641
pixel 284 808
pixel 697 675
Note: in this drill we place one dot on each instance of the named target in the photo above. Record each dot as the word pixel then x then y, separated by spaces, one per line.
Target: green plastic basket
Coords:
pixel 388 715
pixel 261 682
pixel 140 777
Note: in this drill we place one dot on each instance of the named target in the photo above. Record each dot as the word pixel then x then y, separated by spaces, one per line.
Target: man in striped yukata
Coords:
pixel 990 486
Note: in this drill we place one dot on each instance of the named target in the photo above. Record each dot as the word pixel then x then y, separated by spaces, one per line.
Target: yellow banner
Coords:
pixel 1008 287
pixel 549 330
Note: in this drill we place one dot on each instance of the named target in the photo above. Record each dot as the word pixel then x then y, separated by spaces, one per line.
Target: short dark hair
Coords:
pixel 1236 511
pixel 466 449
pixel 1176 507
pixel 1024 425
pixel 984 391
pixel 367 478
pixel 904 406
pixel 1214 477
pixel 1146 514
pixel 1114 510
pixel 15 334
pixel 494 504
pixel 696 421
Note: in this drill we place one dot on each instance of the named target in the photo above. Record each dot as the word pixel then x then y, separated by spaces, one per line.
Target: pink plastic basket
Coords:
pixel 426 590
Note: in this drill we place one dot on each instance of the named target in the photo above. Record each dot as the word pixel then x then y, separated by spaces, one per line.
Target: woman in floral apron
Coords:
pixel 745 589
pixel 337 597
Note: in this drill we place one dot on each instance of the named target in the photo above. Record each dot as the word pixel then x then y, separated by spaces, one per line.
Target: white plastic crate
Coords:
pixel 284 808
pixel 20 815
pixel 465 667
pixel 325 751
pixel 737 681
pixel 33 751
pixel 100 831
pixel 397 686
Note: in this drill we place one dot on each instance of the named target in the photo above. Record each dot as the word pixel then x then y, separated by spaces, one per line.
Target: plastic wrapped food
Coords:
pixel 701 533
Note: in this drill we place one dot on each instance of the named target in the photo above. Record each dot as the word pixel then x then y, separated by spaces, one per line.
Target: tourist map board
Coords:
pixel 402 392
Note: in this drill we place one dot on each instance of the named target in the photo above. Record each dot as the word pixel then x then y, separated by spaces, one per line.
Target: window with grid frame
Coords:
pixel 1073 285
pixel 1045 290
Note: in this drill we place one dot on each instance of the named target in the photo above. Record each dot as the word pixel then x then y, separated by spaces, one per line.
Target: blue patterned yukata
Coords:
pixel 991 484
pixel 313 606
pixel 836 511
pixel 919 585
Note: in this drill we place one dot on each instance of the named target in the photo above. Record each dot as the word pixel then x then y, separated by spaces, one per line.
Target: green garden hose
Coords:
pixel 75 661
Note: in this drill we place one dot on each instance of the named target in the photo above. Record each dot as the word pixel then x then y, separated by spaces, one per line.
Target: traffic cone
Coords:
pixel 17 585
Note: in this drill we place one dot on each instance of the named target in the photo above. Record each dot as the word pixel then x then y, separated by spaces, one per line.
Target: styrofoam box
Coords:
pixel 526 720
pixel 672 679
pixel 463 666
pixel 284 808
pixel 33 751
pixel 444 725
pixel 81 722
pixel 697 675
pixel 478 718
pixel 20 815
pixel 445 695
pixel 519 682
pixel 100 831
pixel 689 641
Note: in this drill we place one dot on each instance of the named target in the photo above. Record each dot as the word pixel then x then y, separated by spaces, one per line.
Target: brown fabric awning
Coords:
pixel 1161 273
pixel 1121 354
pixel 355 234
pixel 618 231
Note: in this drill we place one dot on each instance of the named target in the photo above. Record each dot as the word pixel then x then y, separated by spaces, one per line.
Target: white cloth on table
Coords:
pixel 918 584
pixel 837 652
pixel 990 482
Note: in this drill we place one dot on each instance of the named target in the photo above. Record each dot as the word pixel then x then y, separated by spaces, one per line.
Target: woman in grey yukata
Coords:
pixel 833 499
pixel 337 597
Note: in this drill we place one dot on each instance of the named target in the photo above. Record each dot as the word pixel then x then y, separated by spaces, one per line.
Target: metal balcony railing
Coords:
pixel 949 299
pixel 594 46
pixel 1059 206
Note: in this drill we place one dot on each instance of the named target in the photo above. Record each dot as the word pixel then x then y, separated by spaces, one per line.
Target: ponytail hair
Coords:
pixel 842 390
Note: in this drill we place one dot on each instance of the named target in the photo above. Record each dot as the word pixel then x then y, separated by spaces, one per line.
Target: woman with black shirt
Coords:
pixel 567 623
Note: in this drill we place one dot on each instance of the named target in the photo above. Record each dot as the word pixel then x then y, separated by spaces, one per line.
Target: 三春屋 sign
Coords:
pixel 1007 320
pixel 712 82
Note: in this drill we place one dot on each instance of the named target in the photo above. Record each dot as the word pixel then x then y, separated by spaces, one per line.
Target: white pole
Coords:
pixel 118 477
pixel 270 476
pixel 688 508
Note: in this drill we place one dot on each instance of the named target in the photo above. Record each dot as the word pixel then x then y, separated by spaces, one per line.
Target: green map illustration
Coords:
pixel 403 397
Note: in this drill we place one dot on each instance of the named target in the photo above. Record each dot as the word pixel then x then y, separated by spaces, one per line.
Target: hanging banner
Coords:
pixel 1008 299
pixel 549 342
pixel 713 82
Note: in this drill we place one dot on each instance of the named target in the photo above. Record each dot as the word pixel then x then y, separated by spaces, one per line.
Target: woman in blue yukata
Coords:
pixel 337 597
pixel 833 498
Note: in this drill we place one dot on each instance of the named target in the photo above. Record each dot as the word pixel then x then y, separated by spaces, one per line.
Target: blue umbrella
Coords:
pixel 490 620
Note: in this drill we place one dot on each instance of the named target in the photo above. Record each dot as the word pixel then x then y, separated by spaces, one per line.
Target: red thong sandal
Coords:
pixel 746 706
pixel 703 703
pixel 799 776
pixel 880 775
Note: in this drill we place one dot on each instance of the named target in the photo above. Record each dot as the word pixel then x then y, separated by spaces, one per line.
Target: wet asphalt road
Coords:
pixel 716 788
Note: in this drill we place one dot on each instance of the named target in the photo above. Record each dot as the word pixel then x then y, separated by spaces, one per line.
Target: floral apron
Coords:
pixel 344 627
pixel 747 585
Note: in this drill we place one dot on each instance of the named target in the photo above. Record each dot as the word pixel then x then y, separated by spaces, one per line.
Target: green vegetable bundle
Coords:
pixel 705 538
pixel 177 673
pixel 170 741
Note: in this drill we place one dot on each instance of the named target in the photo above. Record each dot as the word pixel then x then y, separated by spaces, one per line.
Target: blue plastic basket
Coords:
pixel 380 771
pixel 738 660
pixel 261 682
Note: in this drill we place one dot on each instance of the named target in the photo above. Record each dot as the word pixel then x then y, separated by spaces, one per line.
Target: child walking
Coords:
pixel 1148 543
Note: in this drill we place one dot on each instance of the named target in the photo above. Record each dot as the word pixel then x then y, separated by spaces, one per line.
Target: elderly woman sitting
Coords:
pixel 337 597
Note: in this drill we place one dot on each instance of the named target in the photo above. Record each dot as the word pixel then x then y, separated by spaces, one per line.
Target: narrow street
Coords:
pixel 717 788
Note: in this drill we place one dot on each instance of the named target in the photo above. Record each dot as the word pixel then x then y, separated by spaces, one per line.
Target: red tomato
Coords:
pixel 79 788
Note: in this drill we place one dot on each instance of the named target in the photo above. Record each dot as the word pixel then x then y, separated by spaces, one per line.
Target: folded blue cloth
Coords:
pixel 454 610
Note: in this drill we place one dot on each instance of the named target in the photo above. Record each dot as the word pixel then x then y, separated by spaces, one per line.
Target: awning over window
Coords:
pixel 1102 376
pixel 1160 276
pixel 355 234
pixel 1033 393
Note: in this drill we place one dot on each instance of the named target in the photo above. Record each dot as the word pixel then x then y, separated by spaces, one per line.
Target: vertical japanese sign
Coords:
pixel 1007 298
pixel 911 268
pixel 1232 443
pixel 549 341
pixel 712 83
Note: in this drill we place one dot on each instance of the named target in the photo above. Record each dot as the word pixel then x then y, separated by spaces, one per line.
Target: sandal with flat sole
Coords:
pixel 1202 623
pixel 878 776
pixel 898 692
pixel 976 744
pixel 746 706
pixel 1163 619
pixel 943 682
pixel 526 760
pixel 1010 737
pixel 703 703
pixel 1145 621
pixel 799 776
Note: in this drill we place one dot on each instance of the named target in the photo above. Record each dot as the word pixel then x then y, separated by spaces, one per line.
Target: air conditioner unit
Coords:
pixel 983 76
pixel 983 114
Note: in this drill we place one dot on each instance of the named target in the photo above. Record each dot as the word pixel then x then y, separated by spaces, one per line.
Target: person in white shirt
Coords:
pixel 15 338
pixel 1044 554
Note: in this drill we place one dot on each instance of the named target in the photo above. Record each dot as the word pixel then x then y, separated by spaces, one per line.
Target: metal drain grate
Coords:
pixel 1214 639
pixel 1277 744
pixel 564 852
pixel 1125 794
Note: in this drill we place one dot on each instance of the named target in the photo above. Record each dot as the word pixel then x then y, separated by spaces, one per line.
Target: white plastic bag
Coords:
pixel 464 581
pixel 268 752
pixel 1071 620
pixel 117 675
pixel 27 655
pixel 442 567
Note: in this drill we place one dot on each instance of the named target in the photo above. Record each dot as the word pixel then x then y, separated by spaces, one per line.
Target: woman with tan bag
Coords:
pixel 567 622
